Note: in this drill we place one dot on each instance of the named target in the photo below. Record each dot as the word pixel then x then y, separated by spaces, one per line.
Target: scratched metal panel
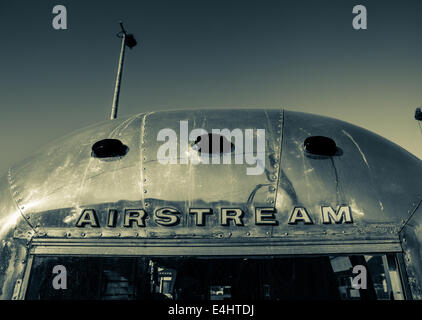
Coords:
pixel 64 175
pixel 12 252
pixel 63 179
pixel 214 186
pixel 369 174
pixel 379 180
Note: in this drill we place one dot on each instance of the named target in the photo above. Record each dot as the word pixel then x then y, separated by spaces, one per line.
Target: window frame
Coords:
pixel 209 248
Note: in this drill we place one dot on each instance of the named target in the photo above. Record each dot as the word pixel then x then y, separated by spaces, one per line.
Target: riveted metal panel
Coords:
pixel 232 247
pixel 215 186
pixel 65 175
pixel 379 180
pixel 13 252
pixel 55 186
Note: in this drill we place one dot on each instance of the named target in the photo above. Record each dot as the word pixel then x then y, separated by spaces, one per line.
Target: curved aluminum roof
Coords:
pixel 379 181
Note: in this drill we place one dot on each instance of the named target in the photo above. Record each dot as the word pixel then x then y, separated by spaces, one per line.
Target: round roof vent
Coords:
pixel 109 148
pixel 320 145
pixel 212 144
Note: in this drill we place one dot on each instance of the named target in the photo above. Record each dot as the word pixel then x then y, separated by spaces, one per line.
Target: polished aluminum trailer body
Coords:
pixel 43 197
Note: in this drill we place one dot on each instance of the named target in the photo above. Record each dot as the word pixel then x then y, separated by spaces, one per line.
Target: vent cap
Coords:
pixel 109 148
pixel 320 145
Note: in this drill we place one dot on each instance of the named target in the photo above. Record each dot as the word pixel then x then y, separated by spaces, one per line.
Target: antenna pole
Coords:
pixel 130 41
pixel 115 104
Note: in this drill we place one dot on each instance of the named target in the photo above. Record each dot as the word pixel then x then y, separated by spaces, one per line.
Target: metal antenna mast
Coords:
pixel 418 116
pixel 127 40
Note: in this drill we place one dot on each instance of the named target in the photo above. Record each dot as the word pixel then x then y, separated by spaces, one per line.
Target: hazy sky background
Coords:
pixel 300 55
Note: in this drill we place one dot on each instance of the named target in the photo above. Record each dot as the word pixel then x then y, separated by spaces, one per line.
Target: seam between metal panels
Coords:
pixel 123 125
pixel 281 133
pixel 12 186
pixel 409 264
pixel 143 159
pixel 411 216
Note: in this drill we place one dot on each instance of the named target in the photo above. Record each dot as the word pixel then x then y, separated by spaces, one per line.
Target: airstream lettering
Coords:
pixel 134 215
pixel 168 217
pixel 300 214
pixel 200 215
pixel 233 214
pixel 328 215
pixel 88 216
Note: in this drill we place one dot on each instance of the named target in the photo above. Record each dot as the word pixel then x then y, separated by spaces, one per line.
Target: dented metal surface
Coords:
pixel 44 196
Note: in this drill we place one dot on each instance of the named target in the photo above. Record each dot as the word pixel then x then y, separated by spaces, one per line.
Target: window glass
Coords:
pixel 209 278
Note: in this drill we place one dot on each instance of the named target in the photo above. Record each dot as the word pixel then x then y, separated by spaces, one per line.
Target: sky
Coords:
pixel 298 55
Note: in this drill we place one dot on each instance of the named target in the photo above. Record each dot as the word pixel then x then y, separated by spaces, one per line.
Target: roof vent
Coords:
pixel 320 145
pixel 212 144
pixel 418 114
pixel 109 148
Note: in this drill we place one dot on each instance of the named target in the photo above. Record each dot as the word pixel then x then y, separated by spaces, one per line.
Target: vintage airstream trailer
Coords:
pixel 99 207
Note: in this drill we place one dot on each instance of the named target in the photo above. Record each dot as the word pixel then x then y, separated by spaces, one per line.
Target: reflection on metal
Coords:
pixel 222 245
pixel 17 289
pixel 392 277
pixel 43 198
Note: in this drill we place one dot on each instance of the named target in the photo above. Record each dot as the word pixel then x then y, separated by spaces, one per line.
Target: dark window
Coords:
pixel 210 278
